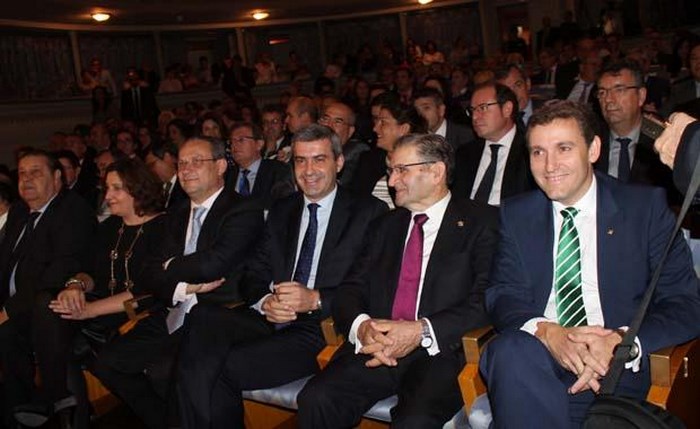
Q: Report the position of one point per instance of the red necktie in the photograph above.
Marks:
(405, 300)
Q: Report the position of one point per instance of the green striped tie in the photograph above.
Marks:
(567, 275)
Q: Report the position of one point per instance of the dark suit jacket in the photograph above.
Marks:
(458, 135)
(634, 225)
(565, 79)
(516, 177)
(686, 157)
(229, 233)
(149, 106)
(647, 168)
(276, 255)
(273, 181)
(177, 197)
(371, 168)
(454, 281)
(681, 93)
(59, 247)
(352, 150)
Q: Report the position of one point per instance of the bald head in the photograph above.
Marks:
(340, 118)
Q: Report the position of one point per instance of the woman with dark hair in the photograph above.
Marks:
(178, 131)
(211, 125)
(124, 242)
(147, 138)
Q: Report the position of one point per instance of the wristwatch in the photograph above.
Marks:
(426, 339)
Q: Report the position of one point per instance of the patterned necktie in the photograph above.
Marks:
(484, 191)
(567, 274)
(244, 184)
(623, 166)
(191, 245)
(308, 246)
(405, 300)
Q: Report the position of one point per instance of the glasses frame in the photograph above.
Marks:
(481, 108)
(615, 91)
(401, 169)
(195, 162)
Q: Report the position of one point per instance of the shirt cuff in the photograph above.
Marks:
(434, 348)
(258, 305)
(166, 263)
(180, 294)
(352, 335)
(635, 363)
(531, 325)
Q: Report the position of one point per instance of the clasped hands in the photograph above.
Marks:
(288, 299)
(388, 340)
(585, 351)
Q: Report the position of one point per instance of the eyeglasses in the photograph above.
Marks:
(194, 162)
(401, 169)
(271, 122)
(481, 108)
(615, 91)
(241, 139)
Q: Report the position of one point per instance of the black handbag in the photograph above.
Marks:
(609, 411)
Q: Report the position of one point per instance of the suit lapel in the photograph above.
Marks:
(340, 214)
(472, 165)
(293, 225)
(541, 250)
(393, 256)
(261, 179)
(610, 227)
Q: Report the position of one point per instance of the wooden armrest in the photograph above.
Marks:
(470, 382)
(333, 342)
(675, 380)
(131, 306)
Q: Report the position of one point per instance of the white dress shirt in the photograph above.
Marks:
(586, 225)
(614, 154)
(506, 142)
(435, 214)
(579, 87)
(442, 129)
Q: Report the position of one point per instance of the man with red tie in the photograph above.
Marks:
(412, 293)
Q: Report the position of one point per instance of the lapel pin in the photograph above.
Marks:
(611, 231)
(460, 223)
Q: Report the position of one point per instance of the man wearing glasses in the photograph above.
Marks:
(341, 118)
(495, 165)
(626, 153)
(412, 293)
(263, 179)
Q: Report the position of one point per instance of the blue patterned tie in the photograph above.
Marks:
(306, 255)
(191, 245)
(244, 184)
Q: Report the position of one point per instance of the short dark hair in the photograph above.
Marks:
(51, 160)
(316, 132)
(211, 116)
(306, 105)
(432, 93)
(502, 73)
(141, 184)
(431, 147)
(565, 109)
(616, 67)
(254, 129)
(406, 115)
(159, 149)
(273, 108)
(503, 95)
(70, 156)
(385, 98)
(217, 146)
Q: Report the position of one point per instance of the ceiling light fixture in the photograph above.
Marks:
(425, 1)
(260, 15)
(101, 16)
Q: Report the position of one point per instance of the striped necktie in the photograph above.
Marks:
(567, 274)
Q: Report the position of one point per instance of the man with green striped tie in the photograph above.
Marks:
(573, 261)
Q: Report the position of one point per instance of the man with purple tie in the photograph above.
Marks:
(414, 290)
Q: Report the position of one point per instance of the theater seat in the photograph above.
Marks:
(675, 382)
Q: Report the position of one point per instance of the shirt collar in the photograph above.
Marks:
(442, 129)
(507, 140)
(585, 205)
(437, 210)
(633, 136)
(324, 202)
(209, 201)
(43, 208)
(255, 166)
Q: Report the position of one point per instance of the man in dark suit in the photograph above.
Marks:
(341, 118)
(310, 242)
(47, 240)
(568, 72)
(548, 68)
(686, 90)
(515, 78)
(430, 105)
(404, 321)
(627, 154)
(263, 179)
(210, 239)
(494, 108)
(88, 178)
(161, 159)
(573, 260)
(138, 101)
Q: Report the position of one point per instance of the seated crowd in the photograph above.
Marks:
(239, 230)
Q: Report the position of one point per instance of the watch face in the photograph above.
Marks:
(426, 342)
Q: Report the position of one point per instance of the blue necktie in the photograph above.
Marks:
(483, 192)
(306, 255)
(191, 245)
(244, 184)
(623, 167)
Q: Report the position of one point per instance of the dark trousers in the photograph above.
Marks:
(244, 353)
(528, 388)
(426, 386)
(137, 367)
(42, 334)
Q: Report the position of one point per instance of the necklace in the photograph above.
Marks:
(114, 255)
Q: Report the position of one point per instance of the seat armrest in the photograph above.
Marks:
(132, 305)
(329, 333)
(474, 341)
(470, 383)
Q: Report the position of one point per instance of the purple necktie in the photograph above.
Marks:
(405, 300)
